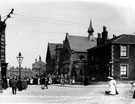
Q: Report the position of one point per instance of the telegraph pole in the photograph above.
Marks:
(3, 64)
(8, 16)
(2, 23)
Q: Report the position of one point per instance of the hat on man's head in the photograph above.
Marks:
(110, 77)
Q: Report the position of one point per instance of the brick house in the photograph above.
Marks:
(112, 57)
(38, 68)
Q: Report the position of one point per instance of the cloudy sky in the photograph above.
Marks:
(37, 22)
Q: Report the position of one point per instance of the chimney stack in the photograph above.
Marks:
(104, 35)
(35, 60)
(114, 36)
(99, 39)
(67, 34)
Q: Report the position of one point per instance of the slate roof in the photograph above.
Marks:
(38, 64)
(79, 43)
(52, 47)
(125, 39)
(122, 39)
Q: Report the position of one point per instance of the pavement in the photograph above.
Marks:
(69, 94)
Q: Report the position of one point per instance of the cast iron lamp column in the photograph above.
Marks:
(19, 59)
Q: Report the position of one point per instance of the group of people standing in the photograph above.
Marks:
(45, 81)
(111, 91)
(15, 84)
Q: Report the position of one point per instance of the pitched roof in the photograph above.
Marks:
(80, 43)
(52, 47)
(125, 39)
(38, 64)
(122, 39)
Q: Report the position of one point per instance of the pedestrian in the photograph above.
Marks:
(132, 85)
(50, 79)
(73, 81)
(43, 82)
(25, 83)
(31, 81)
(85, 81)
(70, 81)
(38, 80)
(62, 81)
(14, 84)
(134, 95)
(46, 82)
(112, 87)
(8, 82)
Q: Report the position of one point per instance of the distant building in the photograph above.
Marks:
(25, 72)
(38, 68)
(54, 58)
(112, 57)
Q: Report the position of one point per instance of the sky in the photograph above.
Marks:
(35, 23)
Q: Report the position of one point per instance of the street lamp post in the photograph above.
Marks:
(19, 59)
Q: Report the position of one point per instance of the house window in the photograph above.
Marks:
(123, 70)
(81, 57)
(123, 51)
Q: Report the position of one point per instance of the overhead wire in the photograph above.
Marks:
(44, 32)
(50, 22)
(46, 20)
(50, 19)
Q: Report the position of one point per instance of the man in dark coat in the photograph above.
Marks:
(46, 82)
(14, 85)
(85, 81)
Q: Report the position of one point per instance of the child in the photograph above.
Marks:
(132, 85)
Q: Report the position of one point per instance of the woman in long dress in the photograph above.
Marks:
(112, 86)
